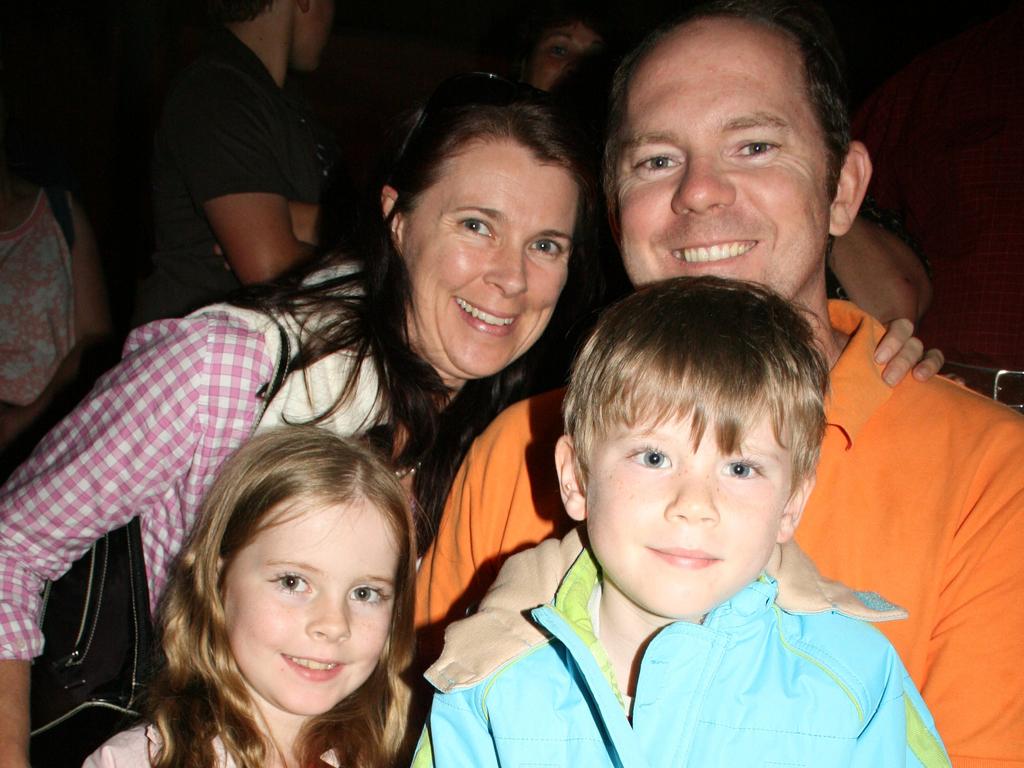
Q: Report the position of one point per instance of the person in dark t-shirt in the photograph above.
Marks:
(239, 162)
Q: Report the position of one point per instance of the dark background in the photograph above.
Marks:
(84, 80)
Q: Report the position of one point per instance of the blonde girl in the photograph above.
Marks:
(289, 618)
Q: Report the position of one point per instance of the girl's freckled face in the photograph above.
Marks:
(308, 606)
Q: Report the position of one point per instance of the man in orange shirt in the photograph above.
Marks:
(719, 163)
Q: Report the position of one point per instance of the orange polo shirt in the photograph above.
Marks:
(920, 497)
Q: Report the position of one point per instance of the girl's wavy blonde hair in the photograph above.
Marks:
(198, 694)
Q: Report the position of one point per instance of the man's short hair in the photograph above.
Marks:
(720, 352)
(803, 22)
(228, 11)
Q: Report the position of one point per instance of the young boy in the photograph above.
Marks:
(681, 626)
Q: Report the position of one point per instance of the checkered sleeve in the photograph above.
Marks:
(146, 441)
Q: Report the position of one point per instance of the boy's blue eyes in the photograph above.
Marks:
(653, 459)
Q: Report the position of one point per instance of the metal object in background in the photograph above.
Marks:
(1003, 386)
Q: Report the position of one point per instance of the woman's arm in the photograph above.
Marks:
(147, 441)
(92, 310)
(14, 676)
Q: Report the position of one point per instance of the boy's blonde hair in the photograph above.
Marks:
(199, 694)
(721, 352)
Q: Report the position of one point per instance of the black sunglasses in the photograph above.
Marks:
(483, 88)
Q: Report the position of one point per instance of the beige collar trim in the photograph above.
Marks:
(501, 632)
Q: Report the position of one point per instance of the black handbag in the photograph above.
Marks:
(99, 643)
(87, 684)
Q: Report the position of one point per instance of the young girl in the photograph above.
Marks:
(289, 618)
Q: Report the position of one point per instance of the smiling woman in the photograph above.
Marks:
(487, 249)
(488, 214)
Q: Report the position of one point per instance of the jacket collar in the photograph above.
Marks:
(499, 633)
(572, 602)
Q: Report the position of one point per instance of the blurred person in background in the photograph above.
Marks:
(554, 39)
(962, 101)
(239, 162)
(53, 300)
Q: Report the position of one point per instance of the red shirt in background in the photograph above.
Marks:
(946, 137)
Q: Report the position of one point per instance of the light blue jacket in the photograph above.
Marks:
(754, 685)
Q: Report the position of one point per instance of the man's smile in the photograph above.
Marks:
(715, 252)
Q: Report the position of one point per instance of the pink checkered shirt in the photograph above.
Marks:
(147, 441)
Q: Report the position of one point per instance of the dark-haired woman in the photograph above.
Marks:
(416, 338)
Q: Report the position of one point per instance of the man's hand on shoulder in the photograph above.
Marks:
(900, 351)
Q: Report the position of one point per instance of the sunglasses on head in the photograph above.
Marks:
(480, 88)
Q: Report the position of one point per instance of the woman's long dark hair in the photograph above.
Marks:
(368, 304)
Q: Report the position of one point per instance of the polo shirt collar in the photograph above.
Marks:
(857, 389)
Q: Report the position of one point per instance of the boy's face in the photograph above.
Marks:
(678, 531)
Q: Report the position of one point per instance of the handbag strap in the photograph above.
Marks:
(142, 622)
(282, 368)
